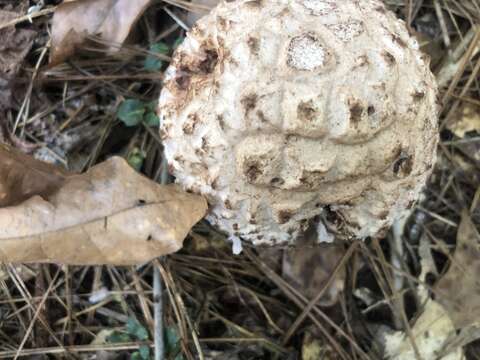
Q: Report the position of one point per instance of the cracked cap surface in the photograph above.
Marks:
(285, 113)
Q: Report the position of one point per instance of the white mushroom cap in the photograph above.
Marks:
(290, 113)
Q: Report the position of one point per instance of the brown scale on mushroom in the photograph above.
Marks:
(323, 111)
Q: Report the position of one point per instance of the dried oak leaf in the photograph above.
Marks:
(468, 120)
(309, 266)
(108, 215)
(21, 177)
(432, 329)
(74, 22)
(459, 289)
(431, 332)
(314, 348)
(14, 46)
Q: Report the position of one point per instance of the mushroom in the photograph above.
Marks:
(291, 114)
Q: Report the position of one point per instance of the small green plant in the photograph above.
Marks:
(134, 331)
(143, 353)
(172, 344)
(153, 62)
(133, 112)
(177, 42)
(136, 157)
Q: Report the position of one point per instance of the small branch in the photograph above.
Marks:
(158, 315)
(157, 286)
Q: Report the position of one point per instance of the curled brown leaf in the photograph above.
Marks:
(459, 289)
(109, 215)
(14, 46)
(21, 176)
(309, 267)
(74, 22)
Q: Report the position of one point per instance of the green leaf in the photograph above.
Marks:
(152, 62)
(151, 105)
(179, 357)
(151, 119)
(144, 351)
(142, 334)
(118, 337)
(160, 48)
(172, 343)
(131, 111)
(171, 337)
(135, 329)
(177, 42)
(136, 356)
(136, 158)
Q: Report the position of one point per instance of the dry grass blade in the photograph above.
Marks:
(27, 17)
(71, 349)
(32, 323)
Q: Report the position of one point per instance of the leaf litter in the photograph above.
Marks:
(431, 330)
(74, 22)
(468, 120)
(14, 46)
(22, 177)
(459, 288)
(223, 306)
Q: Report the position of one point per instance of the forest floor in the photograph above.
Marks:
(360, 302)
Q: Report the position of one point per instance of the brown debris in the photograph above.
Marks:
(459, 290)
(22, 176)
(74, 22)
(14, 46)
(309, 267)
